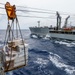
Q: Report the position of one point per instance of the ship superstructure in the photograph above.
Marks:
(39, 31)
(62, 33)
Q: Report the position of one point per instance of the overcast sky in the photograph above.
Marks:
(56, 5)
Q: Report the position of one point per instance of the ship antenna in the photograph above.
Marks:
(38, 23)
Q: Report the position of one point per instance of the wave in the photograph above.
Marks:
(9, 73)
(46, 38)
(39, 51)
(1, 45)
(42, 62)
(68, 44)
(34, 36)
(58, 62)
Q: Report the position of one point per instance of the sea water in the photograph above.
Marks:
(46, 57)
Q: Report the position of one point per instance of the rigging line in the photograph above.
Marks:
(22, 41)
(31, 11)
(39, 11)
(2, 8)
(31, 8)
(43, 9)
(31, 16)
(63, 13)
(35, 11)
(2, 14)
(36, 8)
(36, 17)
(2, 3)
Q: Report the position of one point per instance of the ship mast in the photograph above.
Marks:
(38, 23)
(66, 21)
(58, 21)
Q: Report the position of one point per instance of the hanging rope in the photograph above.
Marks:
(10, 30)
(22, 40)
(10, 10)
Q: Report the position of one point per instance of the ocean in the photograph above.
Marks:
(46, 57)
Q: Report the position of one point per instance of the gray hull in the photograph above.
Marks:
(62, 36)
(39, 31)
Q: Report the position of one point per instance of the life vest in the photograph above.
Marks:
(11, 11)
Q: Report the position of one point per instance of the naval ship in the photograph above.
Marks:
(65, 32)
(39, 31)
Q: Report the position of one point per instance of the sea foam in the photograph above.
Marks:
(58, 62)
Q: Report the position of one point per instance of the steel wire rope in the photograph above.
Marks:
(24, 10)
(39, 9)
(31, 11)
(34, 16)
(11, 47)
(22, 40)
(31, 16)
(45, 11)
